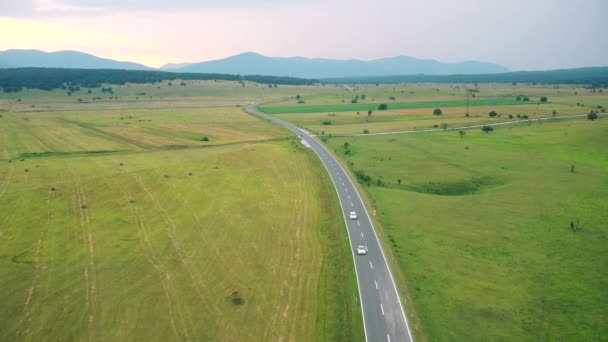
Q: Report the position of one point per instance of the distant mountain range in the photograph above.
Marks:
(62, 59)
(251, 63)
(254, 63)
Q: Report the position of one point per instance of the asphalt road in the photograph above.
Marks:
(383, 314)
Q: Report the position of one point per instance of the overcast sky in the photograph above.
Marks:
(519, 34)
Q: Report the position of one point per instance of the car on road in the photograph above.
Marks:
(353, 215)
(361, 250)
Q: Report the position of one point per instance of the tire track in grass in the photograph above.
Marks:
(171, 233)
(153, 258)
(90, 271)
(7, 180)
(39, 267)
(212, 242)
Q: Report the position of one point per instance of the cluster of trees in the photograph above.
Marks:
(15, 79)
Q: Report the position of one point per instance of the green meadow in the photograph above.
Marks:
(374, 106)
(498, 236)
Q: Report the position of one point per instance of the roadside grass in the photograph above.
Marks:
(498, 260)
(237, 242)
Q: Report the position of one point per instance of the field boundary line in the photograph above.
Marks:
(513, 122)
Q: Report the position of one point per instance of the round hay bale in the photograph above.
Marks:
(53, 188)
(166, 176)
(26, 170)
(83, 206)
(121, 164)
(190, 173)
(131, 200)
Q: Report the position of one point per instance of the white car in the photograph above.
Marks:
(361, 250)
(353, 215)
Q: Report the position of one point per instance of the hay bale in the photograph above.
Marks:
(53, 188)
(26, 170)
(131, 200)
(190, 173)
(83, 206)
(121, 164)
(166, 176)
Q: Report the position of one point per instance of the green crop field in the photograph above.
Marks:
(395, 105)
(499, 236)
(122, 223)
(411, 107)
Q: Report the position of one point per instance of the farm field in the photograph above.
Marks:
(121, 223)
(499, 236)
(411, 107)
(193, 94)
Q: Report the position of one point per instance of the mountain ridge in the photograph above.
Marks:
(252, 63)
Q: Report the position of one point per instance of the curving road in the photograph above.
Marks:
(383, 314)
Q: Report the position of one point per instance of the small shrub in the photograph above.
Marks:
(383, 106)
(493, 114)
(487, 129)
(437, 111)
(592, 116)
(543, 99)
(205, 139)
(327, 123)
(366, 131)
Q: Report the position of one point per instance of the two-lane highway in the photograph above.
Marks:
(383, 314)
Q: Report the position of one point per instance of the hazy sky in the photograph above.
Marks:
(520, 34)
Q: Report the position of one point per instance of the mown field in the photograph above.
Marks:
(500, 236)
(124, 224)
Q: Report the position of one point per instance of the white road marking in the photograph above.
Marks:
(382, 309)
(388, 338)
(370, 265)
(358, 223)
(361, 234)
(375, 282)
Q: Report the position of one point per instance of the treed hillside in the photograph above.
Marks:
(597, 76)
(14, 80)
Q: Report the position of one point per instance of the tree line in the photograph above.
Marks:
(594, 76)
(16, 79)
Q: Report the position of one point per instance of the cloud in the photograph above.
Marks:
(63, 8)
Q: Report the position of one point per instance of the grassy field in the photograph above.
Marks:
(194, 94)
(410, 107)
(394, 105)
(481, 227)
(122, 224)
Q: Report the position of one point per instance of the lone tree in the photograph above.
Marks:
(487, 129)
(369, 112)
(543, 99)
(444, 126)
(592, 116)
(346, 145)
(493, 114)
(383, 106)
(461, 133)
(437, 111)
